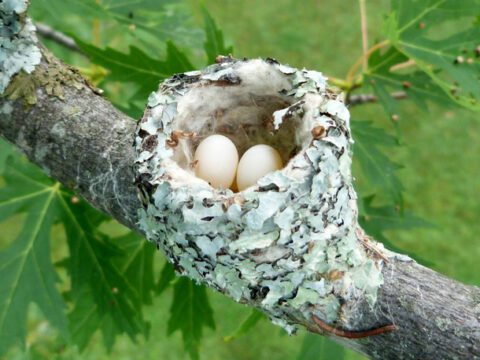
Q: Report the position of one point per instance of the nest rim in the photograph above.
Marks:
(217, 75)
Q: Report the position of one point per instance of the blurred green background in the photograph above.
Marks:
(439, 151)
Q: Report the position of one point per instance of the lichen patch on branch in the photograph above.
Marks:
(288, 245)
(50, 74)
(18, 42)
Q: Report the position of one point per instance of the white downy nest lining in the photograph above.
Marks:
(289, 245)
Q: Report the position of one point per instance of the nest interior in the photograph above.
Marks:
(241, 109)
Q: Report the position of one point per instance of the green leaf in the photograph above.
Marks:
(160, 20)
(165, 20)
(137, 264)
(105, 291)
(376, 220)
(434, 35)
(214, 45)
(136, 66)
(111, 278)
(86, 8)
(190, 313)
(26, 271)
(6, 151)
(247, 324)
(379, 170)
(318, 347)
(166, 278)
(376, 166)
(416, 85)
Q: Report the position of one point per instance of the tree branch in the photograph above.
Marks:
(82, 140)
(60, 38)
(85, 143)
(359, 99)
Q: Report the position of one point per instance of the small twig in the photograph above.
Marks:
(47, 32)
(354, 67)
(359, 99)
(363, 17)
(353, 334)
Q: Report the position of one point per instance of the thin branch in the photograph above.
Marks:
(359, 99)
(47, 32)
(363, 16)
(354, 67)
(353, 334)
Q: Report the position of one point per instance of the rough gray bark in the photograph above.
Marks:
(82, 141)
(437, 318)
(87, 144)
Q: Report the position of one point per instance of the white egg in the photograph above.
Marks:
(216, 160)
(257, 161)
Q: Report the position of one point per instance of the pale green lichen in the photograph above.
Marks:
(290, 245)
(6, 109)
(443, 324)
(20, 57)
(18, 42)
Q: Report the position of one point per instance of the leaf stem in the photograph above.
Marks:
(403, 65)
(363, 17)
(352, 71)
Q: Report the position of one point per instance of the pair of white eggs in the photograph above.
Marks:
(216, 161)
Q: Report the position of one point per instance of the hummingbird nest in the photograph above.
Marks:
(291, 245)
